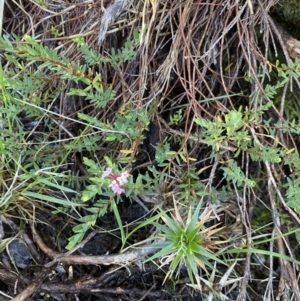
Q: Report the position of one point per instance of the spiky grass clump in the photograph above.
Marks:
(186, 242)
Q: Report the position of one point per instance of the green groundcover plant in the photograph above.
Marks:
(186, 242)
(33, 77)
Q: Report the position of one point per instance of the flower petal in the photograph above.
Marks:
(107, 172)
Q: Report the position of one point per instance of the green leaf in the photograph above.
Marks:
(264, 252)
(191, 263)
(108, 161)
(178, 258)
(50, 199)
(206, 254)
(165, 251)
(74, 240)
(57, 186)
(194, 220)
(87, 195)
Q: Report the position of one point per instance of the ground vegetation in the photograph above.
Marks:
(149, 150)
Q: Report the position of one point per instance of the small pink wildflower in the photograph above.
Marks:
(107, 172)
(123, 178)
(116, 188)
(116, 180)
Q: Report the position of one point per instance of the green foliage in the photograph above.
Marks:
(33, 76)
(233, 173)
(177, 116)
(230, 130)
(36, 75)
(293, 192)
(104, 199)
(251, 134)
(183, 242)
(127, 53)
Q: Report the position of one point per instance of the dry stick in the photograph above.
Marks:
(131, 291)
(246, 275)
(212, 175)
(8, 276)
(276, 231)
(149, 292)
(136, 256)
(92, 286)
(29, 290)
(269, 286)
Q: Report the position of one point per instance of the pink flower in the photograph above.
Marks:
(116, 188)
(116, 180)
(122, 178)
(107, 172)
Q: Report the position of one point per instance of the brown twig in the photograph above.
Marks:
(137, 256)
(32, 287)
